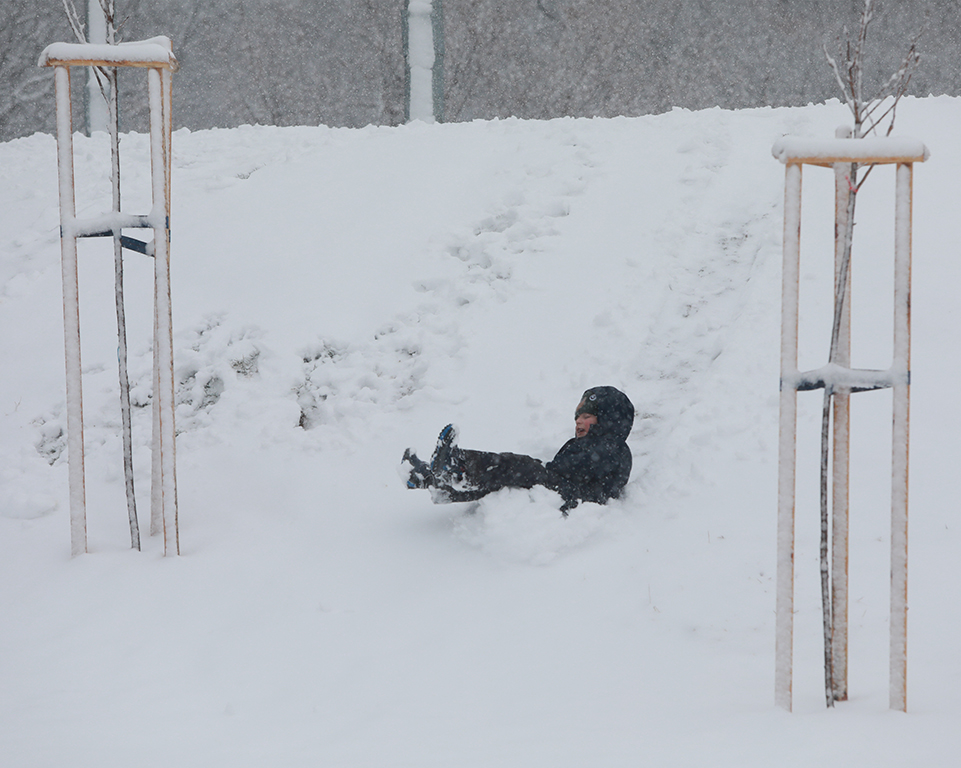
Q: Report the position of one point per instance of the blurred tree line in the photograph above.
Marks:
(340, 62)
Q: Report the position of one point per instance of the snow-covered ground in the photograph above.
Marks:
(340, 295)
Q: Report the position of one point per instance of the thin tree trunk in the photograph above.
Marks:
(121, 321)
(827, 617)
(840, 293)
(113, 103)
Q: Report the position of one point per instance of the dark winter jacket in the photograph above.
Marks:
(596, 467)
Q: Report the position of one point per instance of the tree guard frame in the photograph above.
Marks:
(838, 153)
(156, 56)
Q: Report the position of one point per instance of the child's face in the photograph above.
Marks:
(583, 424)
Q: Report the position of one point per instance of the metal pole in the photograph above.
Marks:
(787, 443)
(422, 39)
(97, 110)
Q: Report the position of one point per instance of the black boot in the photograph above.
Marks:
(445, 464)
(420, 475)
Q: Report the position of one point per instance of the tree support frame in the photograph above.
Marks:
(156, 56)
(844, 380)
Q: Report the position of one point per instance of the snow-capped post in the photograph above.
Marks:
(423, 41)
(787, 439)
(838, 376)
(157, 57)
(71, 316)
(899, 450)
(164, 503)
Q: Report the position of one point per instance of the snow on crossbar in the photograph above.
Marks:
(153, 53)
(839, 377)
(873, 150)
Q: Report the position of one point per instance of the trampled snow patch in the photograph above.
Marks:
(20, 500)
(522, 526)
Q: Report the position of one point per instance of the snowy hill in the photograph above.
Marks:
(340, 295)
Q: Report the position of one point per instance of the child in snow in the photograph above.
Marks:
(594, 465)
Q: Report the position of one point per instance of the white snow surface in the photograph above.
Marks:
(340, 295)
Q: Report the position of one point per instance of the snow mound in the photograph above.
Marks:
(522, 526)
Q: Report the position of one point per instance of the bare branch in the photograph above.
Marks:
(895, 88)
(870, 113)
(832, 62)
(74, 18)
(79, 29)
(110, 15)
